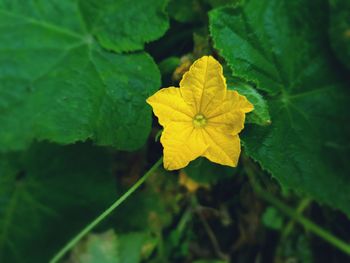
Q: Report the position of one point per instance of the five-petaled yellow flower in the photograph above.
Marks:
(201, 118)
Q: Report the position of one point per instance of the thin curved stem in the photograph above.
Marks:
(305, 222)
(299, 210)
(102, 216)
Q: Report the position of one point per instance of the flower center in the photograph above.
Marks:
(199, 121)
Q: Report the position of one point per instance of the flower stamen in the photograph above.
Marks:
(199, 121)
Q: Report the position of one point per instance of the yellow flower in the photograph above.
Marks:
(201, 118)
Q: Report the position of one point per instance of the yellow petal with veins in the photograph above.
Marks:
(231, 122)
(230, 115)
(223, 148)
(238, 102)
(182, 143)
(168, 105)
(204, 85)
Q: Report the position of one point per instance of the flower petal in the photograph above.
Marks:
(231, 122)
(223, 148)
(168, 106)
(230, 115)
(239, 101)
(204, 85)
(182, 143)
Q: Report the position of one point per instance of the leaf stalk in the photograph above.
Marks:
(60, 254)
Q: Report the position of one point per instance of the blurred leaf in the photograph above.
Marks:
(121, 26)
(209, 261)
(185, 10)
(58, 84)
(339, 29)
(109, 248)
(277, 45)
(48, 194)
(142, 209)
(203, 171)
(296, 248)
(272, 218)
(97, 248)
(201, 43)
(151, 208)
(168, 65)
(131, 245)
(218, 3)
(179, 239)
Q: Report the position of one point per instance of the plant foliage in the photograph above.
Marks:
(76, 131)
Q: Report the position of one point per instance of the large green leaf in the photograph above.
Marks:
(47, 195)
(121, 26)
(56, 83)
(278, 45)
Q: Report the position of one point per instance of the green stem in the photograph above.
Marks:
(306, 223)
(102, 216)
(300, 209)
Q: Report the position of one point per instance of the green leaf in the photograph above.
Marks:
(185, 11)
(339, 29)
(168, 65)
(108, 247)
(97, 248)
(272, 218)
(131, 245)
(121, 26)
(47, 195)
(152, 208)
(209, 261)
(218, 3)
(203, 171)
(278, 46)
(58, 84)
(298, 246)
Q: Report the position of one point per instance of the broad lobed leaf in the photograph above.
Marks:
(122, 26)
(58, 84)
(47, 195)
(278, 46)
